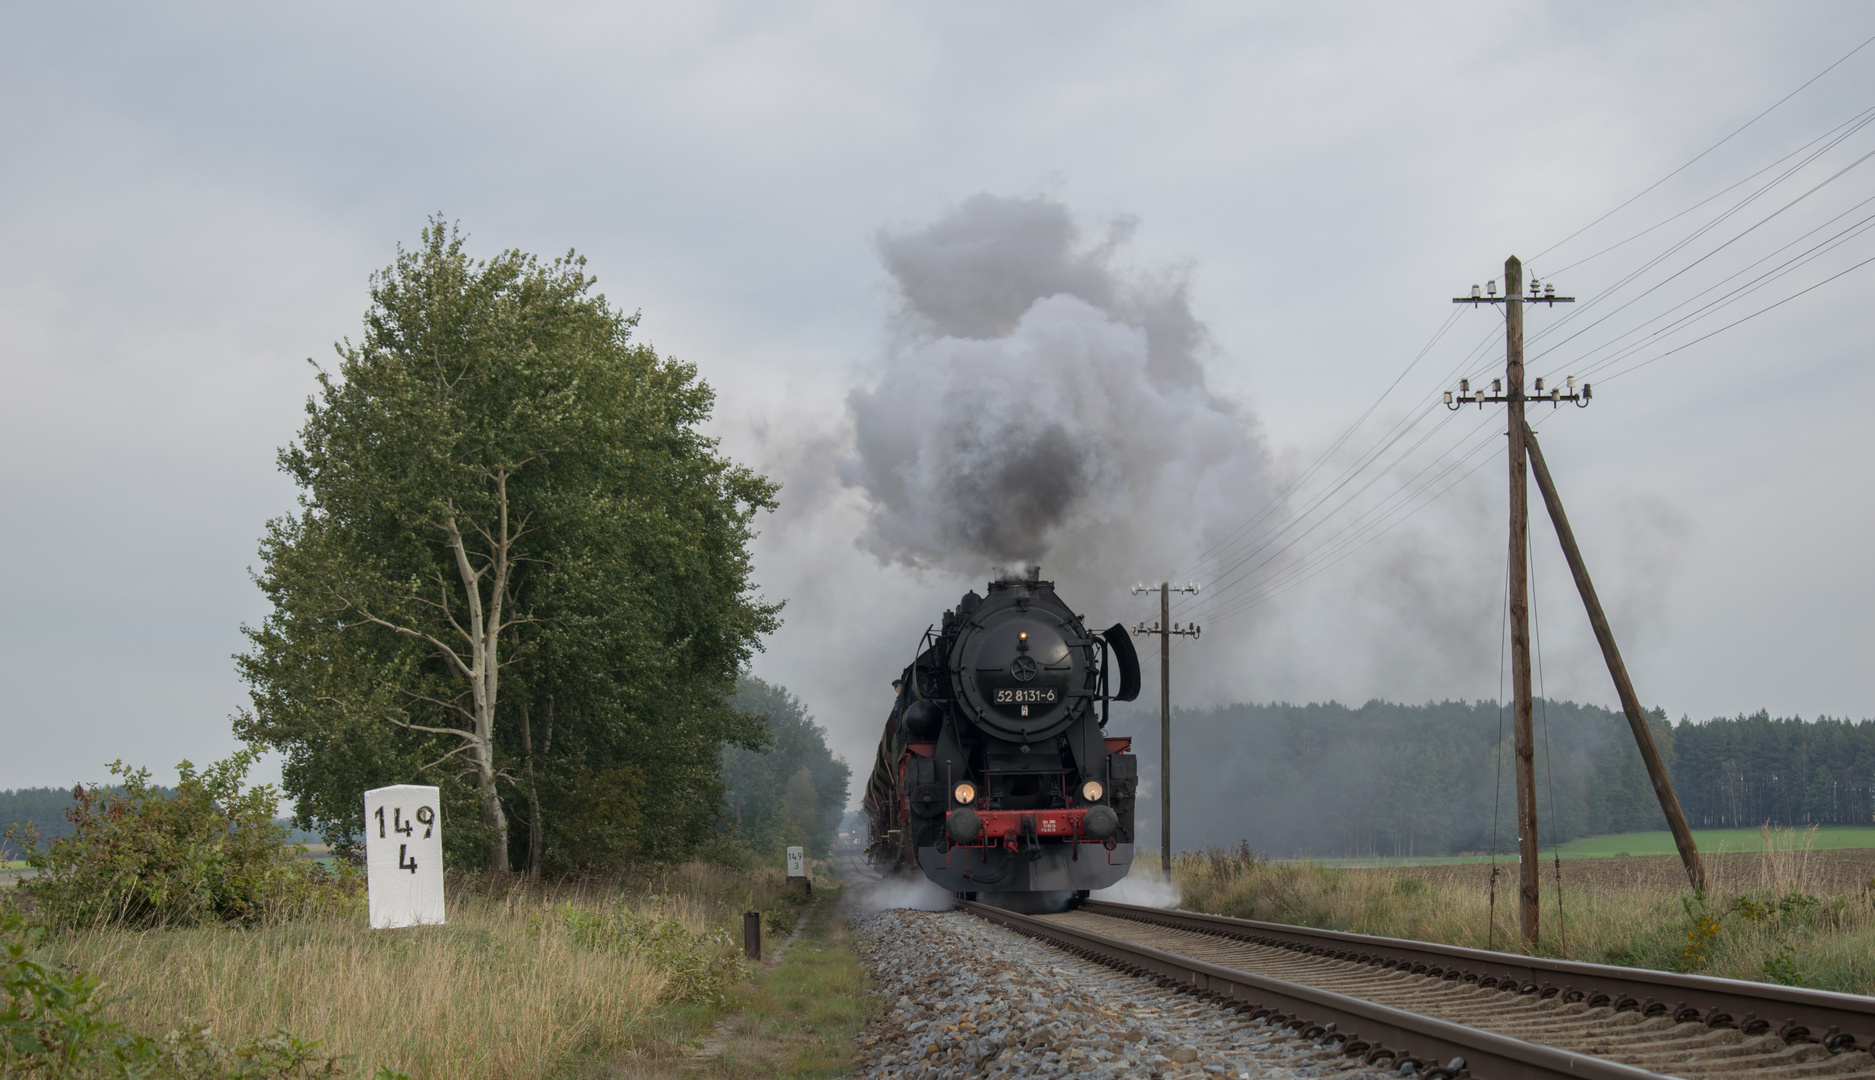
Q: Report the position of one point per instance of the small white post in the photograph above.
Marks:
(404, 856)
(797, 862)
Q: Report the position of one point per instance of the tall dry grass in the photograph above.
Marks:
(504, 990)
(1764, 918)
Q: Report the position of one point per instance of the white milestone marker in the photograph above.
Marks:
(797, 862)
(403, 856)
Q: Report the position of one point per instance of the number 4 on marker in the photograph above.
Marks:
(404, 862)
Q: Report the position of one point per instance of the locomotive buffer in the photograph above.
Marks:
(1166, 628)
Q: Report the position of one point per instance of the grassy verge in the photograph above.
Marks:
(798, 1018)
(524, 981)
(1769, 916)
(1714, 841)
(1640, 844)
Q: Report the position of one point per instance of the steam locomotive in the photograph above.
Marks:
(995, 776)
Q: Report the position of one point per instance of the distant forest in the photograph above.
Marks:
(44, 807)
(1381, 779)
(1386, 779)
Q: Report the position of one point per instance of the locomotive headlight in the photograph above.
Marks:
(965, 793)
(1092, 791)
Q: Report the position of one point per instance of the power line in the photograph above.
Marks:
(1283, 495)
(1697, 157)
(1400, 429)
(1746, 319)
(1781, 270)
(1243, 560)
(1734, 184)
(1681, 244)
(1371, 530)
(1728, 243)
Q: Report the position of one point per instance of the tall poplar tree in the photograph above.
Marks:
(518, 571)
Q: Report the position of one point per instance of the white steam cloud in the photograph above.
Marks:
(901, 891)
(1143, 887)
(1047, 407)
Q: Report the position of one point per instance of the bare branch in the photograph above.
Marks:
(471, 736)
(449, 706)
(446, 757)
(448, 653)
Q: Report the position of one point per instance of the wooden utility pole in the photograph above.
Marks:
(1523, 446)
(1166, 632)
(1510, 393)
(1165, 729)
(1528, 869)
(1630, 701)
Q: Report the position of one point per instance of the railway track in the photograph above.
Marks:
(1451, 1010)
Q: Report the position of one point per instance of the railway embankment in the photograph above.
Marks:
(963, 998)
(1791, 916)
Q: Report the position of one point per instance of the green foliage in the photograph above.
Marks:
(1700, 934)
(520, 573)
(1770, 921)
(52, 1024)
(1754, 910)
(1781, 967)
(141, 857)
(701, 966)
(793, 792)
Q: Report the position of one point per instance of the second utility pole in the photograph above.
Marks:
(1166, 632)
(1165, 728)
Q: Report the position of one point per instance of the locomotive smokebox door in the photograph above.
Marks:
(1024, 666)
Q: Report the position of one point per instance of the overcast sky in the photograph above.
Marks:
(193, 196)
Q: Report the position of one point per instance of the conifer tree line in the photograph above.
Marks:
(520, 572)
(1387, 779)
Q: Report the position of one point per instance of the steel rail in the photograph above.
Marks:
(1797, 1014)
(1363, 1029)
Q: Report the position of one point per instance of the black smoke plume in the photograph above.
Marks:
(1044, 405)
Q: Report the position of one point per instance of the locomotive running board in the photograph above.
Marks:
(1364, 1025)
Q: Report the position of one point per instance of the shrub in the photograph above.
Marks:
(139, 857)
(700, 966)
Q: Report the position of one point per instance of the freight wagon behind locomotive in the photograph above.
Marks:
(995, 776)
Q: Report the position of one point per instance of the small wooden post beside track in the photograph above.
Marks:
(752, 934)
(1624, 686)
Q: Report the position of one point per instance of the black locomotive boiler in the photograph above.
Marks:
(995, 775)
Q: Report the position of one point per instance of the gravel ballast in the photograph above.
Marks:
(963, 998)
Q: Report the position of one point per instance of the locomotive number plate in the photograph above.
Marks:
(1024, 697)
